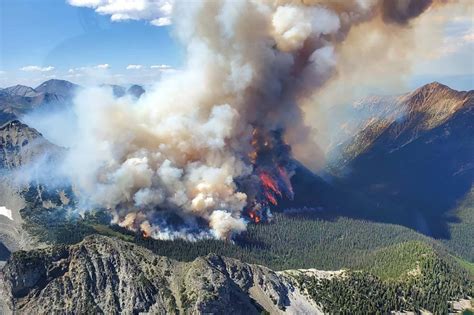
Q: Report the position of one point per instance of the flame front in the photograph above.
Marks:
(272, 165)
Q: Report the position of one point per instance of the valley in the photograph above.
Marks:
(329, 225)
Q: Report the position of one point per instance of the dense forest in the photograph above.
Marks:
(391, 267)
(287, 242)
(430, 285)
(462, 230)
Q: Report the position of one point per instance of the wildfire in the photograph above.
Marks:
(271, 198)
(269, 183)
(270, 158)
(254, 216)
(136, 221)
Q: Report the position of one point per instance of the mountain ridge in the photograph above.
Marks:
(104, 275)
(107, 275)
(20, 90)
(415, 164)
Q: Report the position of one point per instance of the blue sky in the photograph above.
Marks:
(43, 39)
(52, 33)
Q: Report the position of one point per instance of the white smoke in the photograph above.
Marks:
(182, 146)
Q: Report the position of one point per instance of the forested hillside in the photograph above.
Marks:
(295, 241)
(405, 277)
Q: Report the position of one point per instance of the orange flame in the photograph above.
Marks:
(269, 156)
(269, 183)
(271, 198)
(254, 216)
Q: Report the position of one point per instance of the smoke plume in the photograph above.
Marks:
(209, 147)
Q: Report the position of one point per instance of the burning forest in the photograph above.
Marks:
(210, 146)
(272, 170)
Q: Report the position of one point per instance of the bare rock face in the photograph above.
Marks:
(20, 144)
(104, 275)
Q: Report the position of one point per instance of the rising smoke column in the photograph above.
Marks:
(188, 148)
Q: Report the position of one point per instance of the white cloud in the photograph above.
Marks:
(103, 66)
(134, 67)
(160, 67)
(37, 69)
(164, 69)
(162, 21)
(158, 12)
(76, 70)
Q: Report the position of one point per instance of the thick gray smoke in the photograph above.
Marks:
(182, 147)
(401, 11)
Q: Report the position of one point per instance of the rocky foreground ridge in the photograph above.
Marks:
(105, 275)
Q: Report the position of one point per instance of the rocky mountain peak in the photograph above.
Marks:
(59, 87)
(21, 90)
(437, 101)
(136, 90)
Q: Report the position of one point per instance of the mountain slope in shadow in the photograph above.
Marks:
(413, 170)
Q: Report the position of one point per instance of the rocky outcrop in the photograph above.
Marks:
(20, 144)
(104, 275)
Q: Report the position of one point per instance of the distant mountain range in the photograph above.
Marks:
(18, 100)
(119, 91)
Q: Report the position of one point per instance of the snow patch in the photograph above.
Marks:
(6, 212)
